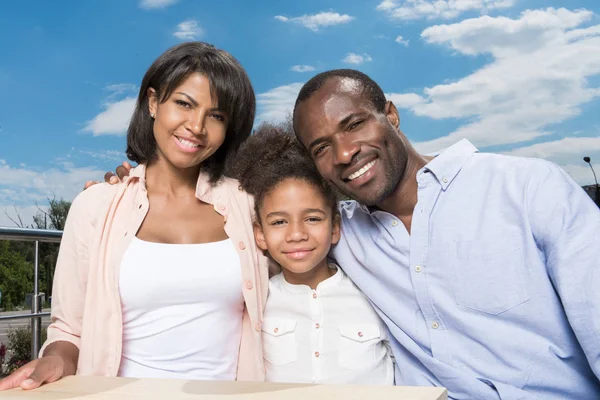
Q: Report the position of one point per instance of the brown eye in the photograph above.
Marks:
(355, 125)
(183, 104)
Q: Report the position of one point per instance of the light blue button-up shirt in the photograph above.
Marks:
(495, 294)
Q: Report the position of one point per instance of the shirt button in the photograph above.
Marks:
(314, 295)
(249, 285)
(418, 268)
(435, 325)
(394, 223)
(241, 245)
(360, 334)
(140, 206)
(317, 354)
(445, 180)
(275, 330)
(257, 326)
(317, 325)
(126, 233)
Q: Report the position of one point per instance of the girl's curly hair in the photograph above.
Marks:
(271, 155)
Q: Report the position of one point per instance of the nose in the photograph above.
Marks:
(344, 150)
(296, 232)
(195, 123)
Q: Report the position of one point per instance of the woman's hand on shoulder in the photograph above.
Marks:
(121, 172)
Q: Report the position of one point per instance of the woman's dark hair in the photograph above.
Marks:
(271, 155)
(229, 84)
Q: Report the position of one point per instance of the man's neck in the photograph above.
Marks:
(403, 200)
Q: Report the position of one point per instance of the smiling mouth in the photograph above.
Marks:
(187, 143)
(298, 255)
(361, 171)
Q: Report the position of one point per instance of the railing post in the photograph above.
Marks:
(36, 322)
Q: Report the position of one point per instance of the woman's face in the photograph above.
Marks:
(188, 127)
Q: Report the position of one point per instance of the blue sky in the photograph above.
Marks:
(519, 77)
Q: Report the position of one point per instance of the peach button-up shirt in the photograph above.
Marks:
(86, 306)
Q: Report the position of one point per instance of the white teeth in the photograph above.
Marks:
(187, 143)
(361, 171)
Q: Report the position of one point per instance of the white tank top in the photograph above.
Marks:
(182, 310)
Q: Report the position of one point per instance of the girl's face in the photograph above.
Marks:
(188, 127)
(296, 227)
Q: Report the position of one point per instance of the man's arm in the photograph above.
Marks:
(566, 225)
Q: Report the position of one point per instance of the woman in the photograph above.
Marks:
(159, 276)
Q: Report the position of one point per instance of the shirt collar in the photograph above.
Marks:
(204, 188)
(445, 166)
(333, 280)
(447, 163)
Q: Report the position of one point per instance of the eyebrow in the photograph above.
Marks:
(306, 211)
(341, 125)
(195, 103)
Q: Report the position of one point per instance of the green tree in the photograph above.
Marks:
(52, 218)
(16, 276)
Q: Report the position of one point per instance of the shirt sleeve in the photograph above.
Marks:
(566, 226)
(70, 276)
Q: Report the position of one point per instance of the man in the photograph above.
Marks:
(484, 267)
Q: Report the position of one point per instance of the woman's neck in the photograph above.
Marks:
(163, 177)
(310, 278)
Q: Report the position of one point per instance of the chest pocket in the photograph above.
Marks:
(491, 276)
(359, 346)
(279, 340)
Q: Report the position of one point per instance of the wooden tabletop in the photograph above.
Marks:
(96, 388)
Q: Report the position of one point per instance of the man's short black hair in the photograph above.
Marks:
(370, 89)
(229, 84)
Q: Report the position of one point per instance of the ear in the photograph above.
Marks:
(391, 112)
(336, 229)
(259, 236)
(152, 101)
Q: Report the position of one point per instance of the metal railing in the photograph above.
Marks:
(37, 236)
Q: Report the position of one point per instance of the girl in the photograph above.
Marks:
(318, 327)
(159, 276)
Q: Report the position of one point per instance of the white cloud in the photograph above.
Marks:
(537, 77)
(402, 41)
(276, 104)
(357, 59)
(149, 4)
(581, 172)
(114, 120)
(407, 100)
(571, 147)
(567, 152)
(188, 30)
(302, 68)
(24, 188)
(316, 21)
(444, 9)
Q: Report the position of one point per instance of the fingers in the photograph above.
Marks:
(122, 171)
(14, 380)
(49, 369)
(108, 176)
(89, 184)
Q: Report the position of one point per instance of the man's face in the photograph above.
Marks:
(356, 148)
